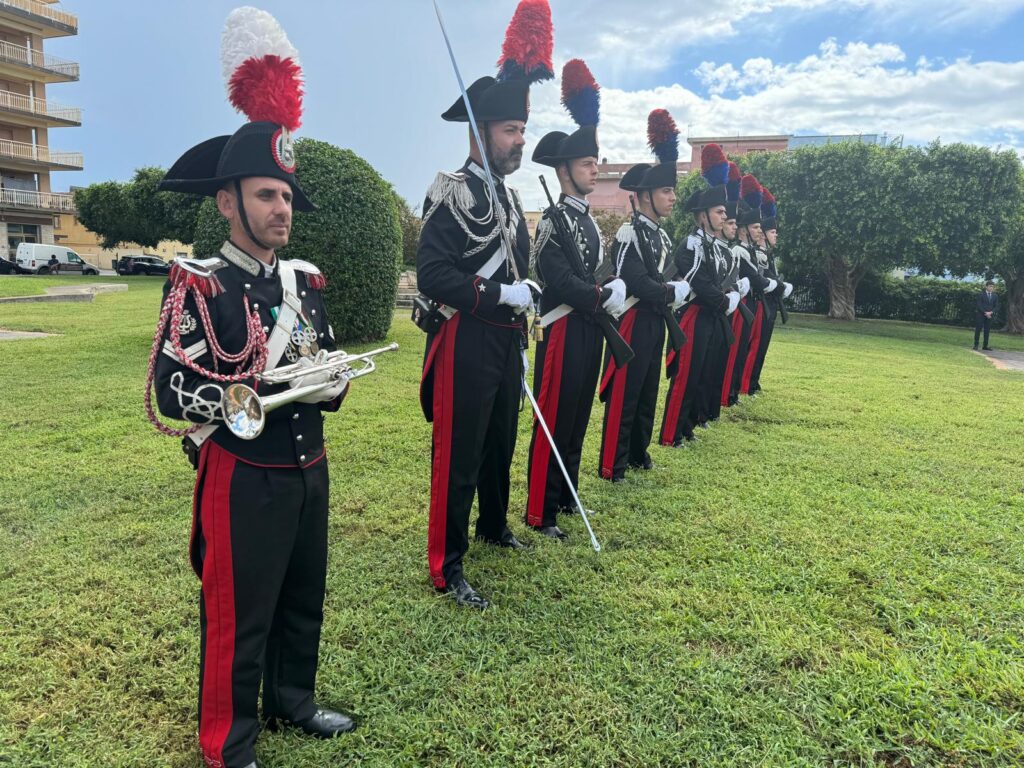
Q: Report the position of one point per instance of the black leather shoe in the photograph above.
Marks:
(252, 765)
(552, 532)
(987, 349)
(324, 724)
(463, 594)
(975, 347)
(645, 464)
(507, 540)
(618, 478)
(679, 444)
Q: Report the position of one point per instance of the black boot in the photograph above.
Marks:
(507, 540)
(463, 594)
(323, 723)
(552, 532)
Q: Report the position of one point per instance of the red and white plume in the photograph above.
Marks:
(261, 68)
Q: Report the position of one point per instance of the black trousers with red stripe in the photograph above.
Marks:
(687, 375)
(738, 356)
(630, 394)
(725, 390)
(771, 308)
(259, 545)
(475, 372)
(713, 374)
(747, 356)
(565, 373)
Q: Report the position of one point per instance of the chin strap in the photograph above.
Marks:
(245, 217)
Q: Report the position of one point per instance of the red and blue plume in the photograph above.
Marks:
(581, 94)
(769, 209)
(732, 186)
(751, 191)
(663, 136)
(714, 166)
(529, 43)
(261, 68)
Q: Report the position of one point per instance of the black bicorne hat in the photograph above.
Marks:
(712, 197)
(557, 147)
(772, 223)
(255, 149)
(264, 83)
(525, 59)
(749, 216)
(493, 100)
(692, 204)
(632, 179)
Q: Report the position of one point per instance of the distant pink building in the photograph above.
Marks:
(608, 197)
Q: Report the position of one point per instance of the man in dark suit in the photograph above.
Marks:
(986, 307)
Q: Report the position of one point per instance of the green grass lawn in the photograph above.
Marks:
(36, 285)
(832, 576)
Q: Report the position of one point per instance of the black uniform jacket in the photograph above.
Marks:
(561, 283)
(293, 435)
(697, 259)
(460, 235)
(644, 280)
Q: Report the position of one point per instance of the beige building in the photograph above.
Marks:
(70, 232)
(28, 206)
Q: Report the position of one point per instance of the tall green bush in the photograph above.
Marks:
(354, 237)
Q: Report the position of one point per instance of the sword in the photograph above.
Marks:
(554, 451)
(483, 149)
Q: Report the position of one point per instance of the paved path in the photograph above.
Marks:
(6, 335)
(70, 292)
(1004, 360)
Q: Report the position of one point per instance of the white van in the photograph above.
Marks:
(35, 258)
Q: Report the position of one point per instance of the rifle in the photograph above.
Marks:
(676, 337)
(617, 345)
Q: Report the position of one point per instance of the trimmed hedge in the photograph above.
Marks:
(354, 236)
(917, 299)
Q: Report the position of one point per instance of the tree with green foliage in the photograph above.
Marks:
(411, 225)
(354, 236)
(608, 223)
(972, 218)
(135, 212)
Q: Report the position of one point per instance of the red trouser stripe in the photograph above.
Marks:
(737, 330)
(618, 377)
(755, 342)
(547, 399)
(219, 602)
(443, 359)
(677, 388)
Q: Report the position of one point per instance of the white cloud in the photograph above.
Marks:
(856, 88)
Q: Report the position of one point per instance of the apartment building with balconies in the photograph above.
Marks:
(28, 206)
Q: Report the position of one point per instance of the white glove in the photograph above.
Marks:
(320, 377)
(615, 302)
(326, 394)
(517, 296)
(789, 290)
(734, 301)
(772, 285)
(743, 284)
(682, 290)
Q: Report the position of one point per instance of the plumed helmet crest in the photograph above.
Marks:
(261, 68)
(529, 43)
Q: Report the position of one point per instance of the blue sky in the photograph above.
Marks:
(378, 76)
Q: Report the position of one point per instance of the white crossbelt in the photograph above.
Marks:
(291, 305)
(555, 315)
(486, 271)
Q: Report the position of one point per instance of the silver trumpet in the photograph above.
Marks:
(245, 412)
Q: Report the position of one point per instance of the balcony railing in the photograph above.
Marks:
(19, 102)
(58, 202)
(20, 150)
(42, 10)
(19, 54)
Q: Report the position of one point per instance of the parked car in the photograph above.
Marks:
(35, 258)
(142, 265)
(8, 267)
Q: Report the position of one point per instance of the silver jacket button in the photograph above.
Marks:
(248, 286)
(295, 417)
(298, 438)
(302, 457)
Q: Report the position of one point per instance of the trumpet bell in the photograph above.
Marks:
(244, 413)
